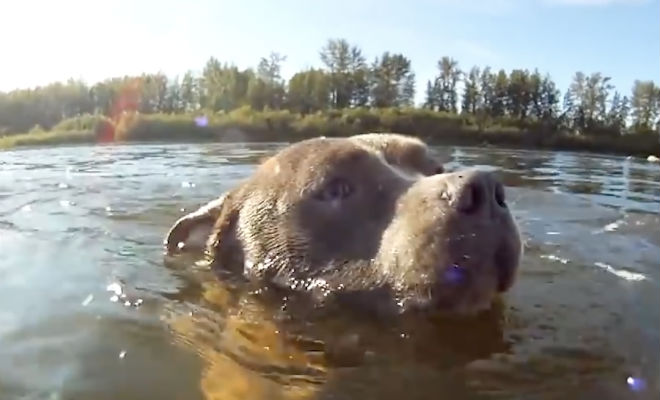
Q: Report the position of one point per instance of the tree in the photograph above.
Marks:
(487, 83)
(348, 73)
(189, 92)
(266, 88)
(518, 94)
(549, 99)
(618, 113)
(223, 87)
(500, 94)
(309, 91)
(173, 103)
(392, 81)
(472, 96)
(441, 95)
(645, 102)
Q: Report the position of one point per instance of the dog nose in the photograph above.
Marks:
(477, 191)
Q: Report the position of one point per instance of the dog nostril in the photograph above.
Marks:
(471, 198)
(499, 195)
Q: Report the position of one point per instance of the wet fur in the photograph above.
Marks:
(386, 247)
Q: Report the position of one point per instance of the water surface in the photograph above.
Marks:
(90, 310)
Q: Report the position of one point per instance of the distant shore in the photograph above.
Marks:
(247, 125)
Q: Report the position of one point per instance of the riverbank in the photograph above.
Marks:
(245, 124)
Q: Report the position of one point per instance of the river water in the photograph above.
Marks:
(90, 309)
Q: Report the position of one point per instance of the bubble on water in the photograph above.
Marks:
(26, 208)
(127, 303)
(636, 384)
(138, 302)
(65, 203)
(122, 354)
(114, 287)
(62, 185)
(201, 121)
(114, 298)
(87, 300)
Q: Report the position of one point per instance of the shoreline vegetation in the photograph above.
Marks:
(518, 108)
(247, 125)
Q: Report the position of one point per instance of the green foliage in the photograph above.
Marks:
(309, 91)
(392, 82)
(517, 107)
(645, 102)
(441, 94)
(348, 73)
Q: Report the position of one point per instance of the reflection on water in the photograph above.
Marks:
(91, 310)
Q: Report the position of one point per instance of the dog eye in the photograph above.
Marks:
(335, 190)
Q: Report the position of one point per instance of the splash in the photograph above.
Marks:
(553, 257)
(621, 273)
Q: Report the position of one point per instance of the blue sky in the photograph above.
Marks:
(44, 41)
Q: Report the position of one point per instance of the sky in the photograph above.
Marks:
(46, 41)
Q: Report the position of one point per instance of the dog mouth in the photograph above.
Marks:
(459, 288)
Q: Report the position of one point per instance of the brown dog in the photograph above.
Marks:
(365, 217)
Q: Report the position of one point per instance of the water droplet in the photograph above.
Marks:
(115, 288)
(87, 300)
(636, 384)
(180, 245)
(455, 274)
(122, 354)
(201, 121)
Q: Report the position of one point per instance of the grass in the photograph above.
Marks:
(245, 124)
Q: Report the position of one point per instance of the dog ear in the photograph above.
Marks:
(193, 230)
(224, 246)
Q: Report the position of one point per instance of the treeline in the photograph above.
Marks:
(520, 98)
